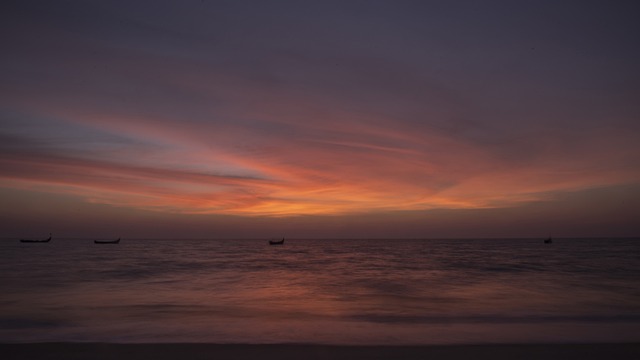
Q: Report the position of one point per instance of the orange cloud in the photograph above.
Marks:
(346, 168)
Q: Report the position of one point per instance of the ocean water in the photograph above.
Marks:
(321, 291)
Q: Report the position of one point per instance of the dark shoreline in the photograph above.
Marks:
(160, 351)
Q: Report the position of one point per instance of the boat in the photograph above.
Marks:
(276, 242)
(106, 241)
(548, 241)
(36, 241)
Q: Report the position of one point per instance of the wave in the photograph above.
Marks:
(494, 319)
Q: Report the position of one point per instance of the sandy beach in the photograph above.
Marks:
(287, 351)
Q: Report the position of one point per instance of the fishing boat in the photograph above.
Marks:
(36, 241)
(106, 241)
(276, 242)
(548, 240)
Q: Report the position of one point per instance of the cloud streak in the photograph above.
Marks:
(330, 171)
(278, 113)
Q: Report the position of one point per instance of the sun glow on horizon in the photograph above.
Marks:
(306, 176)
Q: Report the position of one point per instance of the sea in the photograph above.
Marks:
(323, 291)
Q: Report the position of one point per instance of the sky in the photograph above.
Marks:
(319, 119)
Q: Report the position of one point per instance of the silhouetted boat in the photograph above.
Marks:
(548, 241)
(106, 241)
(36, 241)
(276, 242)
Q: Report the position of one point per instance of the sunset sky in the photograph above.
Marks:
(341, 119)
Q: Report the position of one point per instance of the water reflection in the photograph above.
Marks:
(319, 291)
